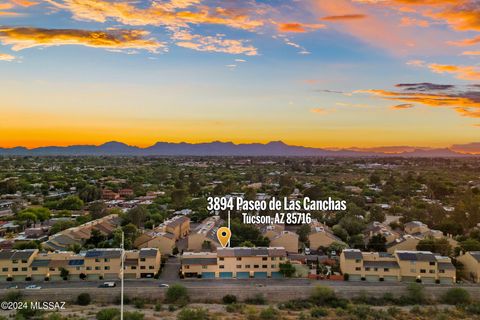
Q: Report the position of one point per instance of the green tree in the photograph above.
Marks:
(377, 243)
(176, 293)
(287, 269)
(303, 232)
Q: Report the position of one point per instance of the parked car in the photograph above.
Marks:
(13, 286)
(164, 285)
(108, 285)
(33, 287)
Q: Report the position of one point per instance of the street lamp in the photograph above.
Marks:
(121, 274)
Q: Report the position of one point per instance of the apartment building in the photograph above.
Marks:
(25, 265)
(471, 265)
(80, 234)
(164, 241)
(287, 240)
(204, 236)
(179, 226)
(238, 262)
(409, 266)
(321, 237)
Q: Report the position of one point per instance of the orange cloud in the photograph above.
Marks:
(407, 22)
(319, 110)
(6, 57)
(464, 15)
(298, 27)
(467, 104)
(24, 3)
(212, 43)
(471, 53)
(465, 42)
(344, 17)
(23, 38)
(462, 72)
(158, 13)
(402, 106)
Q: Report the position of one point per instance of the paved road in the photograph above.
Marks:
(205, 283)
(170, 270)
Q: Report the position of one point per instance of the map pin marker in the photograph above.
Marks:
(223, 235)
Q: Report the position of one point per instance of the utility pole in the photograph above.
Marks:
(121, 275)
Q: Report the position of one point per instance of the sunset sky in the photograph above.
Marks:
(324, 73)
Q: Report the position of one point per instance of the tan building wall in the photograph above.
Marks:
(163, 243)
(471, 265)
(286, 239)
(196, 240)
(409, 244)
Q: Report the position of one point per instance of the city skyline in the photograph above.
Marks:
(324, 74)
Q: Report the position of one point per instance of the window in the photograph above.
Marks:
(432, 263)
(14, 261)
(89, 268)
(142, 259)
(142, 267)
(273, 258)
(247, 266)
(222, 266)
(4, 269)
(97, 260)
(221, 258)
(239, 266)
(24, 261)
(135, 267)
(51, 269)
(24, 269)
(264, 266)
(14, 269)
(151, 267)
(264, 258)
(282, 258)
(106, 260)
(273, 265)
(441, 271)
(97, 268)
(358, 268)
(358, 260)
(204, 267)
(386, 269)
(256, 266)
(107, 268)
(367, 268)
(78, 268)
(431, 271)
(238, 258)
(423, 271)
(186, 266)
(375, 269)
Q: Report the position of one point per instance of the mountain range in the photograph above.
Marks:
(216, 148)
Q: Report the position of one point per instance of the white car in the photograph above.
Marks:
(33, 287)
(164, 285)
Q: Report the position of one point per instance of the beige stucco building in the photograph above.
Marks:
(204, 236)
(239, 262)
(410, 266)
(471, 265)
(24, 265)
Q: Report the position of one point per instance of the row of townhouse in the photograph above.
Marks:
(165, 236)
(237, 262)
(409, 266)
(80, 234)
(30, 264)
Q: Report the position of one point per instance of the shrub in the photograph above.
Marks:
(415, 295)
(13, 296)
(177, 294)
(229, 299)
(108, 314)
(318, 312)
(193, 314)
(269, 313)
(133, 315)
(473, 308)
(297, 304)
(256, 299)
(456, 296)
(235, 308)
(324, 296)
(83, 299)
(158, 306)
(139, 303)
